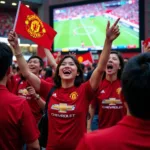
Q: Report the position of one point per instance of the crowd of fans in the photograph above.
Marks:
(128, 12)
(68, 93)
(114, 90)
(7, 19)
(6, 23)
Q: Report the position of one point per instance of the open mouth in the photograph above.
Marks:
(109, 66)
(31, 68)
(67, 72)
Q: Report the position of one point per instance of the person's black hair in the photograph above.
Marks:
(94, 65)
(136, 85)
(89, 68)
(78, 79)
(49, 72)
(121, 64)
(82, 66)
(13, 66)
(18, 69)
(39, 58)
(5, 59)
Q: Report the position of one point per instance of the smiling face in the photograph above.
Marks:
(34, 65)
(113, 65)
(68, 69)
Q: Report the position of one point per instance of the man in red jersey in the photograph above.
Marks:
(22, 88)
(133, 131)
(17, 125)
(13, 79)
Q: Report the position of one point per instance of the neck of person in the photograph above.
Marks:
(67, 83)
(112, 77)
(3, 81)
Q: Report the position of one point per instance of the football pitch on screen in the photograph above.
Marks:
(91, 32)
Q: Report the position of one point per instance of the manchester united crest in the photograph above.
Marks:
(34, 26)
(74, 95)
(118, 91)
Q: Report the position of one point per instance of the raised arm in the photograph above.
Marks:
(111, 34)
(32, 78)
(50, 58)
(58, 58)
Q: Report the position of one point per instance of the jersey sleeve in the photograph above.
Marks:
(45, 88)
(90, 93)
(29, 130)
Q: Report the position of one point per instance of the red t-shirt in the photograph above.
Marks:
(12, 81)
(67, 111)
(50, 80)
(17, 125)
(129, 134)
(21, 91)
(111, 107)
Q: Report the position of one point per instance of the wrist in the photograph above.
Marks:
(19, 54)
(37, 96)
(108, 40)
(16, 47)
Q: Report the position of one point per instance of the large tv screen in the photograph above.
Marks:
(82, 26)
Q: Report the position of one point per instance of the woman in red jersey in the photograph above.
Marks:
(68, 104)
(111, 107)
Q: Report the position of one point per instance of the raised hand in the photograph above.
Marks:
(146, 48)
(112, 32)
(13, 39)
(31, 90)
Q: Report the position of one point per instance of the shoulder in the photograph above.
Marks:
(12, 98)
(14, 104)
(102, 137)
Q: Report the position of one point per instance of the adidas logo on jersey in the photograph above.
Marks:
(102, 91)
(54, 95)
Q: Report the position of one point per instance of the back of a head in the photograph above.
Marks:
(49, 72)
(5, 59)
(136, 85)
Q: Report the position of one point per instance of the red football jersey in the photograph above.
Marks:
(129, 134)
(111, 107)
(17, 125)
(50, 80)
(67, 111)
(12, 81)
(23, 92)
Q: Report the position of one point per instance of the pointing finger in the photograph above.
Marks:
(116, 22)
(108, 25)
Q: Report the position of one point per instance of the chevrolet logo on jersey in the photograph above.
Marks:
(112, 101)
(63, 107)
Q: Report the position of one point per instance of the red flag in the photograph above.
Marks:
(29, 25)
(84, 57)
(40, 51)
(146, 42)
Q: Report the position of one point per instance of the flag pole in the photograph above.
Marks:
(18, 9)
